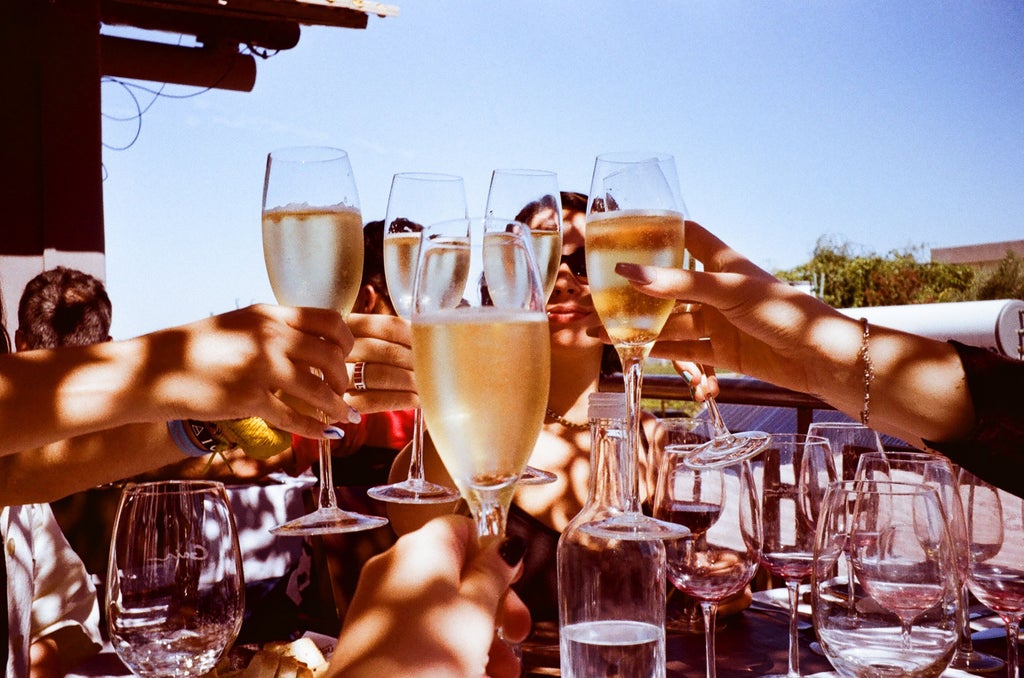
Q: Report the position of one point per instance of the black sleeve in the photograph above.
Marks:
(994, 450)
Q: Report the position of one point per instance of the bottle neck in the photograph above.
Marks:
(609, 462)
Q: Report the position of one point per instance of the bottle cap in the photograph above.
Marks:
(607, 406)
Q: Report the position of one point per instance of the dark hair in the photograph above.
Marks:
(373, 259)
(64, 307)
(532, 209)
(571, 200)
(5, 339)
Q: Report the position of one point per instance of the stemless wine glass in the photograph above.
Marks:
(938, 472)
(635, 214)
(416, 198)
(995, 538)
(720, 509)
(848, 440)
(531, 197)
(482, 357)
(791, 475)
(313, 248)
(899, 618)
(174, 589)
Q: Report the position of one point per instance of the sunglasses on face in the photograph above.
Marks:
(577, 262)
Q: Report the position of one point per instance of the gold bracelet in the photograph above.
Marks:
(869, 372)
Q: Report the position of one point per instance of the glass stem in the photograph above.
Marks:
(717, 423)
(1012, 629)
(632, 358)
(793, 587)
(416, 454)
(710, 610)
(327, 498)
(964, 644)
(489, 513)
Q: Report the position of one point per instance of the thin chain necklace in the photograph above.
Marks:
(565, 422)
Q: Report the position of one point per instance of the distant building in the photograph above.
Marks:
(984, 257)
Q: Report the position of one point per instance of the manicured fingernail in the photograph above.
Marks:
(633, 272)
(333, 432)
(353, 416)
(512, 550)
(687, 377)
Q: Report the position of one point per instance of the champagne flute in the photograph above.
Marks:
(313, 248)
(174, 589)
(416, 198)
(531, 197)
(895, 535)
(938, 472)
(791, 475)
(634, 215)
(482, 356)
(719, 508)
(995, 538)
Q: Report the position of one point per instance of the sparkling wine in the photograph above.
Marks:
(698, 516)
(625, 649)
(400, 253)
(653, 237)
(547, 247)
(314, 256)
(483, 378)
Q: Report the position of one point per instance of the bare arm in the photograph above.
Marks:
(764, 328)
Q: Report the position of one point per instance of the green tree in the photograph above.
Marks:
(1005, 282)
(851, 278)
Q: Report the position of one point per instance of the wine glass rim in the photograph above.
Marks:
(427, 176)
(798, 438)
(526, 172)
(308, 154)
(634, 157)
(176, 485)
(838, 424)
(898, 487)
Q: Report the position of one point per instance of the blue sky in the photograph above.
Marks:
(886, 124)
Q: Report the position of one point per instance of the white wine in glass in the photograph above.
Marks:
(416, 198)
(313, 248)
(634, 215)
(482, 357)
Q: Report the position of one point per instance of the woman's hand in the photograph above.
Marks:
(384, 344)
(430, 606)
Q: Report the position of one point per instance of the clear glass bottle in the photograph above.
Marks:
(611, 591)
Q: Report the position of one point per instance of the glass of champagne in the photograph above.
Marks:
(416, 198)
(719, 507)
(313, 249)
(995, 539)
(174, 589)
(791, 475)
(532, 197)
(635, 215)
(482, 357)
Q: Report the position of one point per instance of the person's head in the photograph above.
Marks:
(540, 213)
(63, 307)
(373, 288)
(5, 339)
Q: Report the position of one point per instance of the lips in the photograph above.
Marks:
(567, 313)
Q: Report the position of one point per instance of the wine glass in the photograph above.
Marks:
(531, 197)
(174, 589)
(682, 435)
(900, 616)
(848, 440)
(313, 248)
(995, 538)
(719, 508)
(416, 198)
(482, 357)
(634, 215)
(791, 475)
(938, 472)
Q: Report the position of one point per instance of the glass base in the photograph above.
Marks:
(730, 449)
(635, 526)
(976, 662)
(536, 476)
(411, 491)
(328, 521)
